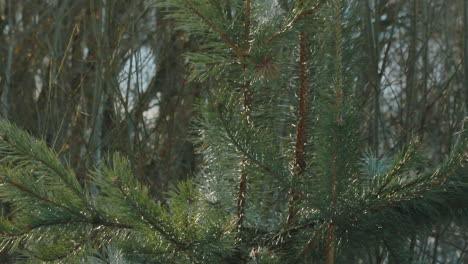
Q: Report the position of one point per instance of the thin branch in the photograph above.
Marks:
(299, 17)
(247, 24)
(244, 163)
(396, 169)
(242, 194)
(301, 136)
(330, 251)
(247, 111)
(62, 176)
(237, 50)
(330, 236)
(419, 192)
(244, 152)
(150, 220)
(94, 222)
(39, 197)
(62, 256)
(312, 239)
(65, 54)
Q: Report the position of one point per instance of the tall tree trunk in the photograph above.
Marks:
(9, 62)
(411, 83)
(372, 74)
(465, 55)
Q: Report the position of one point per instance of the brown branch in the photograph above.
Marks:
(247, 24)
(416, 193)
(238, 51)
(57, 258)
(299, 17)
(311, 241)
(94, 222)
(247, 97)
(247, 109)
(242, 194)
(330, 254)
(54, 169)
(301, 136)
(330, 250)
(245, 153)
(37, 196)
(388, 178)
(244, 162)
(148, 219)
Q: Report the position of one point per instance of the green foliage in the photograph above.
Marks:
(264, 195)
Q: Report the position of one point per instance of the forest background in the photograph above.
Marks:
(94, 77)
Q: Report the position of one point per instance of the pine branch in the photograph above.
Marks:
(313, 239)
(39, 197)
(154, 225)
(51, 239)
(398, 167)
(298, 18)
(237, 50)
(84, 221)
(59, 257)
(417, 193)
(36, 156)
(423, 184)
(244, 151)
(31, 155)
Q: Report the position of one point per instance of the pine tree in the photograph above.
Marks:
(286, 177)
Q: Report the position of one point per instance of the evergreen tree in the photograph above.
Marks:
(286, 178)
